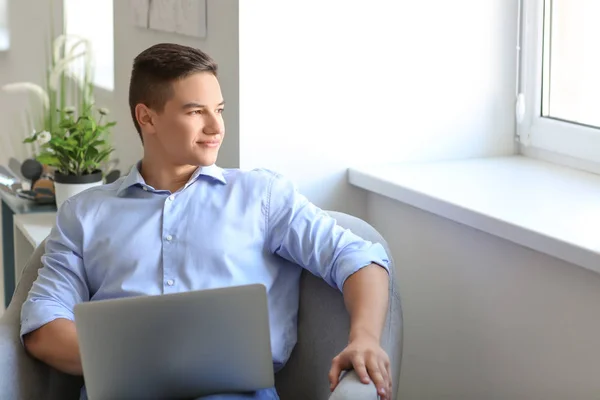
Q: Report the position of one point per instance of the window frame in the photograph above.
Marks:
(533, 130)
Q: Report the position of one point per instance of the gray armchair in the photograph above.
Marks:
(323, 325)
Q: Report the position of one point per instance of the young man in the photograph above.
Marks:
(177, 222)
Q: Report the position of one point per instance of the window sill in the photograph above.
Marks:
(546, 207)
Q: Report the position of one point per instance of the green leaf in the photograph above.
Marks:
(88, 136)
(66, 124)
(98, 143)
(56, 141)
(48, 159)
(103, 155)
(91, 153)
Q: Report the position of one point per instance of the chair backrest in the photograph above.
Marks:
(323, 327)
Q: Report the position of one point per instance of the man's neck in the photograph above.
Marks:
(163, 176)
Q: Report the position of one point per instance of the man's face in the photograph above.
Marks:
(190, 129)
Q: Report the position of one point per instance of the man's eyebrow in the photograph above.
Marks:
(198, 105)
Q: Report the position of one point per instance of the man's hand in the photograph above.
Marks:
(370, 362)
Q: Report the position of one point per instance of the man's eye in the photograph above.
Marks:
(220, 110)
(195, 112)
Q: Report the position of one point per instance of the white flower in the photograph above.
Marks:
(104, 111)
(69, 109)
(43, 138)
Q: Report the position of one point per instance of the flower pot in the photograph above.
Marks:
(69, 185)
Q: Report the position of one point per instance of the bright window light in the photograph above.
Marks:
(571, 90)
(93, 20)
(4, 37)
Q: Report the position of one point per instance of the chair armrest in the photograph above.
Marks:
(21, 377)
(9, 384)
(351, 388)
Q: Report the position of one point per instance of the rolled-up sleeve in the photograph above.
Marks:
(61, 281)
(300, 232)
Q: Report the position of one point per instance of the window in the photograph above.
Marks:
(93, 20)
(4, 38)
(560, 77)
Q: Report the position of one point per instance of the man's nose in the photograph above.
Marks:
(212, 126)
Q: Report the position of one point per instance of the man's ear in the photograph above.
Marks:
(145, 118)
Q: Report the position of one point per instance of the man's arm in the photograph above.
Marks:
(366, 296)
(56, 344)
(47, 328)
(300, 232)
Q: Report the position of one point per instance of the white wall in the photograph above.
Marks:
(221, 43)
(329, 84)
(24, 61)
(488, 319)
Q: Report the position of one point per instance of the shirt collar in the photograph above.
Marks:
(135, 178)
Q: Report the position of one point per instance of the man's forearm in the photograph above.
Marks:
(366, 297)
(56, 344)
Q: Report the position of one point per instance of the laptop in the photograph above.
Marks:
(182, 345)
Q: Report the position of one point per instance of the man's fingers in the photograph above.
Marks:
(361, 369)
(334, 373)
(368, 365)
(386, 377)
(377, 377)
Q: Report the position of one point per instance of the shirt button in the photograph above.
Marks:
(171, 197)
(169, 238)
(145, 188)
(170, 282)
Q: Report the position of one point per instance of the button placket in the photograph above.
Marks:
(168, 247)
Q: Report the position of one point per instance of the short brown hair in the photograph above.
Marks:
(155, 68)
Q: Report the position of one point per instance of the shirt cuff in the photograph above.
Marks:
(358, 259)
(38, 313)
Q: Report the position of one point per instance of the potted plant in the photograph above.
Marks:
(73, 142)
(75, 150)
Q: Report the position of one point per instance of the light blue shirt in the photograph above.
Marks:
(225, 227)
